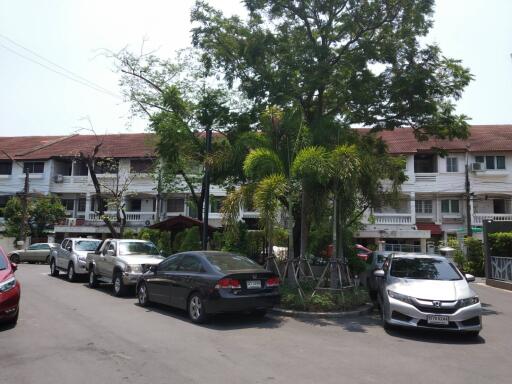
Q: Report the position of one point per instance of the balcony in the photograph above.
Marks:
(131, 217)
(406, 248)
(478, 218)
(425, 177)
(393, 218)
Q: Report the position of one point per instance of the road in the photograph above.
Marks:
(68, 333)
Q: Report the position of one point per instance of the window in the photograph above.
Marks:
(80, 168)
(5, 167)
(69, 204)
(81, 205)
(424, 269)
(135, 205)
(500, 206)
(106, 166)
(141, 165)
(491, 162)
(452, 165)
(190, 264)
(33, 166)
(231, 262)
(450, 206)
(216, 204)
(170, 264)
(425, 163)
(176, 204)
(423, 206)
(128, 248)
(86, 245)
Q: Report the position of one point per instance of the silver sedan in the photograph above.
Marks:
(425, 291)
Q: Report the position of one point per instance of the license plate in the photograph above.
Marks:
(437, 319)
(253, 284)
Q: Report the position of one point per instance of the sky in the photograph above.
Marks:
(34, 100)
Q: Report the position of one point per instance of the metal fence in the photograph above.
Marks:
(402, 248)
(501, 268)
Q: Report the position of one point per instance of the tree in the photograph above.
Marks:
(43, 213)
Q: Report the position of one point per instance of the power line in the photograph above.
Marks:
(76, 79)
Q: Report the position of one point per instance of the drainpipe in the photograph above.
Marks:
(468, 196)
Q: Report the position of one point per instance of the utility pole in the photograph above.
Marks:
(468, 199)
(206, 202)
(24, 207)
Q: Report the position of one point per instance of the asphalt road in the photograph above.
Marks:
(68, 333)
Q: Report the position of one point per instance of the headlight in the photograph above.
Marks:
(134, 268)
(469, 301)
(8, 284)
(82, 258)
(400, 297)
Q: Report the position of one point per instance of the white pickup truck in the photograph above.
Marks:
(121, 262)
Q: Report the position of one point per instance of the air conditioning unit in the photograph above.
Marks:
(58, 178)
(477, 167)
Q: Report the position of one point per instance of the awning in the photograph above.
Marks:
(179, 223)
(435, 229)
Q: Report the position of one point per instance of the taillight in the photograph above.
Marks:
(228, 284)
(273, 282)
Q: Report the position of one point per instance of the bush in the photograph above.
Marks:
(500, 244)
(475, 256)
(191, 240)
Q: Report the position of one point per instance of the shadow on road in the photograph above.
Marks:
(350, 324)
(6, 327)
(108, 290)
(487, 310)
(436, 337)
(221, 322)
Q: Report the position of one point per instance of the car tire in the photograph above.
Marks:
(53, 268)
(71, 275)
(143, 295)
(93, 279)
(196, 309)
(119, 286)
(15, 259)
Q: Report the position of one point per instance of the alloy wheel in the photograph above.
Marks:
(195, 308)
(117, 284)
(143, 294)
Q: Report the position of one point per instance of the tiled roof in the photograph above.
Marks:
(484, 138)
(39, 148)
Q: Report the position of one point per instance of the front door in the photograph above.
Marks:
(161, 283)
(185, 278)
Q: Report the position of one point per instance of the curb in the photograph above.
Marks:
(364, 310)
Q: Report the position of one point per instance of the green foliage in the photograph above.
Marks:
(500, 244)
(13, 217)
(262, 162)
(458, 255)
(129, 233)
(161, 239)
(191, 240)
(475, 256)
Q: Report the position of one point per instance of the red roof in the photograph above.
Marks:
(434, 229)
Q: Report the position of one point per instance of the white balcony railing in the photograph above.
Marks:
(478, 218)
(425, 177)
(402, 248)
(393, 218)
(130, 216)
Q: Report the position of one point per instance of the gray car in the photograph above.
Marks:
(425, 291)
(70, 257)
(35, 253)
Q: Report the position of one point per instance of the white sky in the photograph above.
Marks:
(36, 101)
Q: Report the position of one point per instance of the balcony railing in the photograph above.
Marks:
(402, 248)
(130, 216)
(393, 218)
(425, 177)
(478, 218)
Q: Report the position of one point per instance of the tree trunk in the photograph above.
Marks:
(303, 225)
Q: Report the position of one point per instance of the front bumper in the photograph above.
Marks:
(80, 267)
(466, 319)
(222, 303)
(131, 278)
(9, 303)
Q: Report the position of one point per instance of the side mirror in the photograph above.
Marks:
(153, 268)
(110, 252)
(469, 278)
(379, 273)
(68, 249)
(14, 267)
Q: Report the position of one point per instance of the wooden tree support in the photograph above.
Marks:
(342, 276)
(290, 271)
(304, 270)
(271, 265)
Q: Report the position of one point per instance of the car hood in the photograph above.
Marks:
(5, 274)
(82, 254)
(432, 289)
(141, 259)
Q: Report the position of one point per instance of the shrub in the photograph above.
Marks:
(500, 244)
(191, 240)
(475, 256)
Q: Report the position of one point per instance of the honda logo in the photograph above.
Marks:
(436, 304)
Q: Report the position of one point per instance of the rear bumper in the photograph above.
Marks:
(9, 303)
(466, 319)
(222, 304)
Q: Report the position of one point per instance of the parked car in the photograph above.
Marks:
(362, 252)
(70, 257)
(37, 252)
(9, 291)
(209, 282)
(376, 261)
(121, 262)
(425, 291)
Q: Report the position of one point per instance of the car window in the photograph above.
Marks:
(45, 246)
(190, 263)
(423, 268)
(33, 247)
(3, 261)
(86, 245)
(231, 262)
(64, 244)
(127, 248)
(170, 264)
(111, 247)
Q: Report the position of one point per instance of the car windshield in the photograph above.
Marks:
(3, 261)
(127, 248)
(423, 268)
(86, 245)
(225, 263)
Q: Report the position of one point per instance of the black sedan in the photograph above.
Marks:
(208, 282)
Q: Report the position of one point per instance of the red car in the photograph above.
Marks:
(9, 291)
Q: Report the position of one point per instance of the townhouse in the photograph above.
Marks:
(433, 204)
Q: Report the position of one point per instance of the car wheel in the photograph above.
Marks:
(53, 269)
(71, 272)
(15, 259)
(383, 321)
(119, 287)
(93, 279)
(196, 310)
(143, 295)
